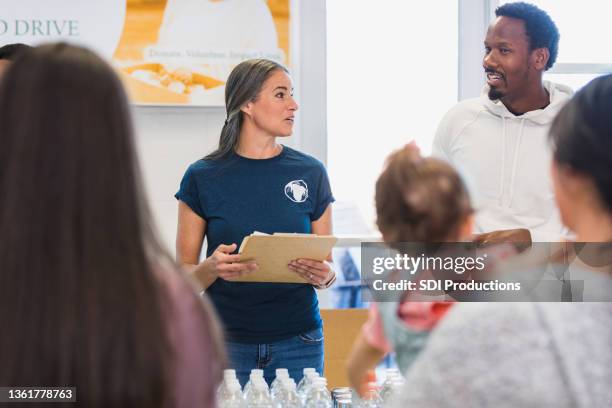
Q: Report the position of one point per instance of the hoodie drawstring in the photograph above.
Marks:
(515, 161)
(503, 163)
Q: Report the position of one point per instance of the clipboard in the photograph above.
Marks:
(274, 252)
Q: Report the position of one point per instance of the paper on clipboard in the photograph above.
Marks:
(274, 252)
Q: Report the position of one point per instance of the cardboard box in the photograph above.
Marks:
(340, 329)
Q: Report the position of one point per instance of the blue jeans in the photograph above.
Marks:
(294, 354)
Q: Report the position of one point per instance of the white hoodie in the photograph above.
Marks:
(506, 162)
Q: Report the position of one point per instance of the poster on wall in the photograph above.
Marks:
(167, 52)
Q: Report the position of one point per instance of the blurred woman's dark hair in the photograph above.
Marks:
(420, 199)
(243, 85)
(80, 304)
(581, 135)
(12, 51)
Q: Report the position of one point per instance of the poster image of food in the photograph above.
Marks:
(167, 52)
(181, 52)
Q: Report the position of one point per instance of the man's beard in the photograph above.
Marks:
(495, 94)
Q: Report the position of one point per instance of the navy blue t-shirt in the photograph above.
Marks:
(237, 196)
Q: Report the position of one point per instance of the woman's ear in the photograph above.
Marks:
(247, 108)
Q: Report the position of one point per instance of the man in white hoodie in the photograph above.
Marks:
(499, 141)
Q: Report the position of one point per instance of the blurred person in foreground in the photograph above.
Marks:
(10, 52)
(88, 297)
(418, 200)
(539, 354)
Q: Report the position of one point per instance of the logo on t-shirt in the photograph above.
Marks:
(297, 191)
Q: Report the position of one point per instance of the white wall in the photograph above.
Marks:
(309, 67)
(474, 19)
(168, 140)
(392, 75)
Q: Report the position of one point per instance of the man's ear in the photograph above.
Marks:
(540, 57)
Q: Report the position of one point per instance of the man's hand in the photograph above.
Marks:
(520, 238)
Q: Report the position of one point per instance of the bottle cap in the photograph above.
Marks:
(369, 378)
(282, 372)
(229, 374)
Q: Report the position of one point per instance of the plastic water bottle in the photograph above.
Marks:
(393, 383)
(287, 396)
(343, 403)
(305, 371)
(390, 375)
(358, 395)
(371, 399)
(306, 383)
(233, 396)
(344, 394)
(318, 396)
(396, 387)
(228, 376)
(258, 396)
(281, 373)
(255, 373)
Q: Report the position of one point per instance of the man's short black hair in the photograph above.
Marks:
(12, 51)
(540, 28)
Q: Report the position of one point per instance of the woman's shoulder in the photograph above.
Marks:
(304, 158)
(475, 335)
(180, 293)
(194, 336)
(480, 349)
(476, 320)
(203, 169)
(551, 348)
(204, 165)
(508, 332)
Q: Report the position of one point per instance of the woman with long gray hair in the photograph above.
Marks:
(253, 183)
